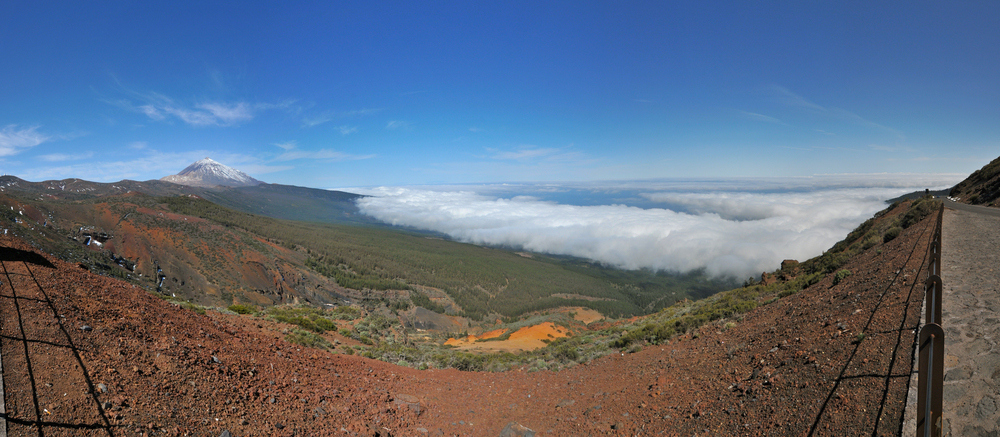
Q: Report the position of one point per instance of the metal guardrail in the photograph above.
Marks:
(931, 342)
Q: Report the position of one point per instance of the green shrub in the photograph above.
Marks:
(196, 308)
(918, 210)
(840, 276)
(891, 234)
(307, 339)
(241, 309)
(870, 242)
(305, 317)
(421, 299)
(346, 313)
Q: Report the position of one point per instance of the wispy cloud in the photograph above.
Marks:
(347, 130)
(160, 107)
(61, 157)
(527, 153)
(397, 124)
(322, 154)
(328, 116)
(14, 139)
(316, 120)
(892, 149)
(229, 113)
(523, 153)
(761, 117)
(789, 98)
(292, 152)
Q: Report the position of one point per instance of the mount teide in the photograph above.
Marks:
(208, 173)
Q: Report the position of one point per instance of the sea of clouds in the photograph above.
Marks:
(733, 227)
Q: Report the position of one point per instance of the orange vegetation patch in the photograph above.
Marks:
(527, 338)
(474, 338)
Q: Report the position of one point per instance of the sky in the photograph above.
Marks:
(397, 94)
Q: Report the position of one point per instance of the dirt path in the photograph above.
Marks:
(971, 320)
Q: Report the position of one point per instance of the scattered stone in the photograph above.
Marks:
(958, 373)
(986, 408)
(226, 433)
(86, 328)
(409, 402)
(565, 403)
(102, 388)
(514, 429)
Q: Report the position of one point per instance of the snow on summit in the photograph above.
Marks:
(208, 173)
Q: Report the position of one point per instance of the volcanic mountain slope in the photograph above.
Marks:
(833, 359)
(271, 200)
(137, 237)
(208, 173)
(982, 187)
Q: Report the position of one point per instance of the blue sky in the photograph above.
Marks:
(339, 94)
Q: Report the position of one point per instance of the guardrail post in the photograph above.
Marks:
(935, 262)
(931, 380)
(933, 290)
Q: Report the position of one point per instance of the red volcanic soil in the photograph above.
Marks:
(88, 355)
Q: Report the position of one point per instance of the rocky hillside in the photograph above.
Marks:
(831, 359)
(981, 188)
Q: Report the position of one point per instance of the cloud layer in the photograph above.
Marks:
(726, 230)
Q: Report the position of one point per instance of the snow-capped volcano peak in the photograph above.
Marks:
(208, 173)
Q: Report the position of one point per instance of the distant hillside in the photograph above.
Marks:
(291, 203)
(917, 195)
(981, 187)
(216, 247)
(271, 200)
